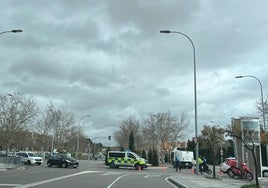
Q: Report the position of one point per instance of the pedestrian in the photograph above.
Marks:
(177, 164)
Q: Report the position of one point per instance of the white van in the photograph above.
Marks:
(264, 170)
(29, 158)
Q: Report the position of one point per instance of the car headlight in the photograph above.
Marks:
(67, 161)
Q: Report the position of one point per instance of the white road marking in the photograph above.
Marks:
(55, 179)
(146, 176)
(10, 185)
(117, 180)
(152, 175)
(111, 173)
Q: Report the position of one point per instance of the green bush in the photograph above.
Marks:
(167, 157)
(155, 161)
(150, 157)
(153, 157)
(143, 155)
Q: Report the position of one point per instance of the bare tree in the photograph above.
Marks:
(122, 135)
(55, 129)
(63, 128)
(44, 127)
(149, 132)
(260, 109)
(17, 114)
(247, 137)
(163, 128)
(212, 136)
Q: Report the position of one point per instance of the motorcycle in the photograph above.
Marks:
(203, 168)
(236, 169)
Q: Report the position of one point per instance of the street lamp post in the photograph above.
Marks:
(263, 109)
(52, 144)
(195, 95)
(12, 31)
(53, 134)
(77, 149)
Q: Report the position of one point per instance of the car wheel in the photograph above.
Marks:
(112, 165)
(63, 165)
(28, 163)
(49, 164)
(249, 176)
(230, 174)
(209, 171)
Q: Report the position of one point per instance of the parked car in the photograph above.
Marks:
(3, 153)
(62, 160)
(29, 158)
(264, 170)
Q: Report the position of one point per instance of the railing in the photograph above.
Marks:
(10, 162)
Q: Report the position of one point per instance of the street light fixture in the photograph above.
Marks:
(12, 31)
(263, 109)
(195, 94)
(79, 133)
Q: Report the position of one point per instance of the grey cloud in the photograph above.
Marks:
(107, 58)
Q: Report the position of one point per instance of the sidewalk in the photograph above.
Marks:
(4, 166)
(206, 181)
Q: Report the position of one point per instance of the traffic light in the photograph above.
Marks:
(109, 137)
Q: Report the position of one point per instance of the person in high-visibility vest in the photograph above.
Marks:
(200, 162)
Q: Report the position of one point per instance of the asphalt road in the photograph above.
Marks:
(89, 174)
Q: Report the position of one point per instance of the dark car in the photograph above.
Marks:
(63, 161)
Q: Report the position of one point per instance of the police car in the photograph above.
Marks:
(115, 159)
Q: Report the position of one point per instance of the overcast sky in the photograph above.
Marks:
(108, 59)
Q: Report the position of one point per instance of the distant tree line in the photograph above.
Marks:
(24, 127)
(147, 137)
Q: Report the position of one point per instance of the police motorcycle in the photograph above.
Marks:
(203, 168)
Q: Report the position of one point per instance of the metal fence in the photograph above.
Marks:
(10, 162)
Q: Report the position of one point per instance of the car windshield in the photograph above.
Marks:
(32, 155)
(67, 157)
(136, 155)
(70, 158)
